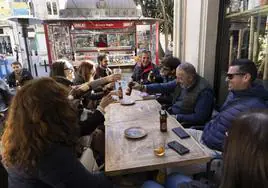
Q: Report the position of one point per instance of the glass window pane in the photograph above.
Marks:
(49, 10)
(55, 8)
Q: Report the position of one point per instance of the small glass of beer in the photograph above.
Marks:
(159, 144)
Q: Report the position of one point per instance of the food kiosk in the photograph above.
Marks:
(122, 39)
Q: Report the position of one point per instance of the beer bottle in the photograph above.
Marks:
(151, 76)
(120, 91)
(163, 121)
(17, 84)
(129, 90)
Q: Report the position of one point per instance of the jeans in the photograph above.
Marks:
(197, 135)
(196, 168)
(172, 182)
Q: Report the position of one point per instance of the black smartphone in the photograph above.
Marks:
(180, 132)
(176, 146)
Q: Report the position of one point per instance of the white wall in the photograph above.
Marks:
(195, 35)
(40, 9)
(192, 31)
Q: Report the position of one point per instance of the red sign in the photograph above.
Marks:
(103, 25)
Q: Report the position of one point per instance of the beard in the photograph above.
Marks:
(183, 86)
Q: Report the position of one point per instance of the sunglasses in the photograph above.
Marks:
(231, 76)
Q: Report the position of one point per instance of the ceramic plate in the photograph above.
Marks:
(135, 132)
(127, 102)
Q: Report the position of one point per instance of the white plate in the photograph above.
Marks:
(127, 102)
(135, 132)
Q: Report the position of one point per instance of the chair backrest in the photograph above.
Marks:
(3, 176)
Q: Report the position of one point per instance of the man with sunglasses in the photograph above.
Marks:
(142, 69)
(244, 94)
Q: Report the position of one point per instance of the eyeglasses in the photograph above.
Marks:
(231, 76)
(68, 69)
(164, 68)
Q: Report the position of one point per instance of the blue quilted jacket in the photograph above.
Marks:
(236, 102)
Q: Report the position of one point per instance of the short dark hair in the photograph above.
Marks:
(16, 63)
(171, 62)
(246, 66)
(245, 151)
(57, 69)
(101, 57)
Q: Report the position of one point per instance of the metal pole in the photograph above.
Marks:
(251, 37)
(25, 35)
(231, 49)
(35, 68)
(240, 42)
(45, 63)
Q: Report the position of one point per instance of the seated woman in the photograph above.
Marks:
(40, 138)
(244, 158)
(61, 71)
(62, 68)
(85, 73)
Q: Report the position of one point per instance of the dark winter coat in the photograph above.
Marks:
(102, 72)
(141, 73)
(25, 75)
(192, 104)
(236, 102)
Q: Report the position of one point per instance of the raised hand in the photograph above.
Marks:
(106, 100)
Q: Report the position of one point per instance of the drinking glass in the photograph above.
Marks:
(117, 71)
(159, 143)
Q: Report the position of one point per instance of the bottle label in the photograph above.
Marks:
(163, 126)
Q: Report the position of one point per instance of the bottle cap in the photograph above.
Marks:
(162, 112)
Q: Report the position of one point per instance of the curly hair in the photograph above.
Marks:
(40, 115)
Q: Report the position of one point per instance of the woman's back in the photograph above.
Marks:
(59, 167)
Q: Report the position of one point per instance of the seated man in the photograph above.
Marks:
(102, 69)
(243, 95)
(167, 73)
(168, 70)
(19, 75)
(192, 95)
(142, 69)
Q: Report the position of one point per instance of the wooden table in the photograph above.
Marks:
(124, 155)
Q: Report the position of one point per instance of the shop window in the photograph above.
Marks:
(1, 31)
(55, 8)
(49, 9)
(31, 8)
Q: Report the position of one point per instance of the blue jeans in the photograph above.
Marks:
(173, 181)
